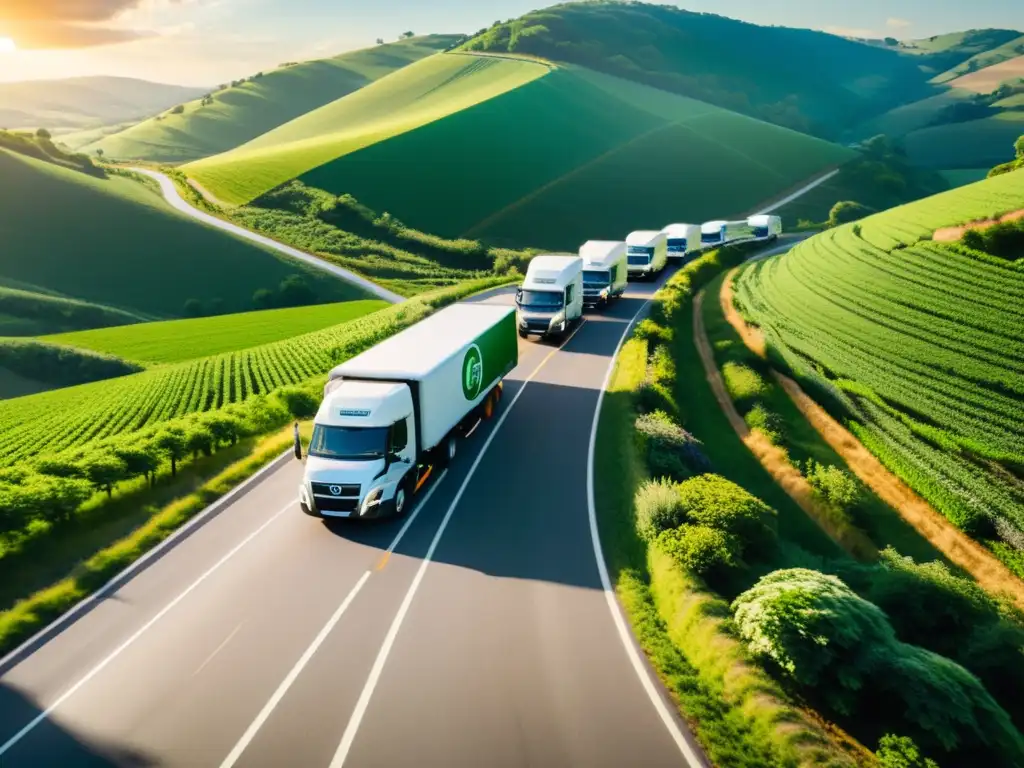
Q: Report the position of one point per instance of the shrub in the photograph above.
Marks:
(263, 414)
(669, 449)
(743, 383)
(901, 752)
(846, 211)
(651, 332)
(658, 508)
(838, 487)
(713, 501)
(699, 549)
(767, 422)
(662, 367)
(816, 630)
(301, 403)
(199, 440)
(104, 470)
(651, 397)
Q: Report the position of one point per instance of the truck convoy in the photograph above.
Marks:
(646, 253)
(550, 299)
(765, 227)
(683, 240)
(605, 271)
(721, 232)
(396, 411)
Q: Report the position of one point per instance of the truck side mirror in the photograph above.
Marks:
(519, 296)
(298, 442)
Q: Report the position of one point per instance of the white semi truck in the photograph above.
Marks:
(605, 271)
(723, 232)
(395, 412)
(646, 253)
(765, 227)
(550, 300)
(684, 241)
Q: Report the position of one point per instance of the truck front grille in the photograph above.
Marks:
(335, 490)
(538, 325)
(326, 504)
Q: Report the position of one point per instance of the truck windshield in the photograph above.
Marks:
(710, 237)
(596, 277)
(541, 299)
(677, 245)
(349, 443)
(639, 254)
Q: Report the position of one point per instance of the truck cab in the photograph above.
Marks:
(550, 299)
(684, 240)
(605, 271)
(713, 233)
(765, 227)
(646, 253)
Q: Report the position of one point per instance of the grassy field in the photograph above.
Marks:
(978, 63)
(84, 102)
(115, 242)
(244, 111)
(974, 144)
(919, 345)
(912, 117)
(988, 79)
(416, 95)
(964, 176)
(568, 152)
(174, 341)
(92, 412)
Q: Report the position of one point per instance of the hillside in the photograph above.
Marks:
(28, 366)
(760, 71)
(173, 341)
(991, 77)
(971, 144)
(1010, 48)
(113, 241)
(919, 345)
(567, 150)
(234, 114)
(84, 102)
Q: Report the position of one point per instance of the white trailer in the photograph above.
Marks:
(721, 232)
(646, 253)
(765, 226)
(684, 241)
(550, 299)
(605, 271)
(394, 412)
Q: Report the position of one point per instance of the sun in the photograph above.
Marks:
(7, 45)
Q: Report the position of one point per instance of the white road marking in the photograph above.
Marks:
(389, 640)
(7, 745)
(625, 635)
(217, 650)
(293, 675)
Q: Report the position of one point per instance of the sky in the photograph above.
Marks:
(205, 42)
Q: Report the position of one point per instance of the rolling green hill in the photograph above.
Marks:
(991, 77)
(1008, 49)
(30, 365)
(83, 102)
(115, 242)
(173, 341)
(33, 313)
(549, 153)
(971, 144)
(236, 114)
(920, 345)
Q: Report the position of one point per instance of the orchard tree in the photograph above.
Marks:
(171, 441)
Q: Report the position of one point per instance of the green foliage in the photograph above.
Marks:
(670, 450)
(104, 470)
(58, 365)
(1004, 240)
(301, 403)
(700, 549)
(836, 486)
(33, 313)
(714, 501)
(901, 752)
(658, 508)
(767, 422)
(846, 211)
(916, 344)
(743, 383)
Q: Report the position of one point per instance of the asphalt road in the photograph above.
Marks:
(483, 637)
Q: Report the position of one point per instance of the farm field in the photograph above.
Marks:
(988, 79)
(922, 345)
(173, 341)
(104, 409)
(243, 112)
(115, 242)
(416, 95)
(1009, 48)
(974, 144)
(586, 157)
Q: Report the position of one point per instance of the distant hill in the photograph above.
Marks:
(1009, 49)
(519, 153)
(234, 114)
(114, 242)
(941, 53)
(85, 102)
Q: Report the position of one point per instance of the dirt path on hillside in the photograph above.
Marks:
(957, 546)
(772, 458)
(949, 234)
(210, 197)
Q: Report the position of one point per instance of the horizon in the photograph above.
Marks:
(199, 43)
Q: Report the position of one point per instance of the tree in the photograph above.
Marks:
(199, 440)
(99, 152)
(104, 471)
(57, 500)
(846, 211)
(406, 35)
(193, 308)
(171, 441)
(294, 291)
(140, 459)
(224, 428)
(178, 109)
(901, 752)
(380, 41)
(42, 133)
(263, 299)
(891, 41)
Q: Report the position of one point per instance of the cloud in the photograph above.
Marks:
(63, 10)
(898, 23)
(55, 34)
(50, 24)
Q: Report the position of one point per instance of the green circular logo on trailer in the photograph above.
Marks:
(472, 373)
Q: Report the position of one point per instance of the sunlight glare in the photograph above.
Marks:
(7, 45)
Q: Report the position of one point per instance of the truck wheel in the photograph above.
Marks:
(451, 446)
(522, 334)
(402, 495)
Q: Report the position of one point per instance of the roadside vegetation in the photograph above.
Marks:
(734, 563)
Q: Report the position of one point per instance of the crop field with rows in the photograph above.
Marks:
(51, 422)
(922, 342)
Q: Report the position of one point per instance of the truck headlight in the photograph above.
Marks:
(557, 319)
(604, 292)
(371, 501)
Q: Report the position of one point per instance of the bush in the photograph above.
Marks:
(838, 487)
(658, 508)
(846, 211)
(301, 403)
(662, 367)
(651, 332)
(670, 450)
(743, 383)
(901, 752)
(104, 470)
(699, 549)
(651, 397)
(713, 501)
(767, 422)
